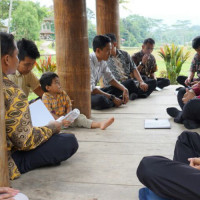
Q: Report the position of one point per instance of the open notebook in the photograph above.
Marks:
(157, 124)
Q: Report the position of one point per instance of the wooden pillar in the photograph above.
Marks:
(4, 177)
(72, 51)
(108, 17)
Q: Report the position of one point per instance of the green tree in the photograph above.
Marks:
(25, 21)
(4, 8)
(91, 27)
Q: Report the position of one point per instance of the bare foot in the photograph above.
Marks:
(106, 123)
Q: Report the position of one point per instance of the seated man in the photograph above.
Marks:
(24, 78)
(28, 147)
(104, 98)
(189, 101)
(122, 67)
(59, 103)
(194, 68)
(146, 63)
(176, 179)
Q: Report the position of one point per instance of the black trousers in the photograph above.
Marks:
(181, 80)
(189, 116)
(161, 82)
(173, 179)
(58, 148)
(180, 95)
(100, 102)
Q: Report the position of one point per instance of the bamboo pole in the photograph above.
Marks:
(108, 17)
(72, 51)
(4, 177)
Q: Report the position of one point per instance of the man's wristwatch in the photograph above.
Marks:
(112, 97)
(141, 64)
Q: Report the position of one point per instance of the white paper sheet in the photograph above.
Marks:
(157, 124)
(40, 115)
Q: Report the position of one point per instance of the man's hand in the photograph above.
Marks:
(188, 95)
(55, 126)
(188, 81)
(194, 82)
(118, 102)
(7, 193)
(195, 163)
(143, 86)
(125, 96)
(145, 58)
(66, 123)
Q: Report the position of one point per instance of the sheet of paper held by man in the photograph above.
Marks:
(39, 114)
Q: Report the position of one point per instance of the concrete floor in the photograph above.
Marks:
(104, 168)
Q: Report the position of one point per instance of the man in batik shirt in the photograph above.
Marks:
(146, 63)
(194, 68)
(28, 147)
(125, 71)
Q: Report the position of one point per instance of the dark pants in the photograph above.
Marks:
(173, 179)
(58, 148)
(180, 95)
(181, 80)
(161, 82)
(100, 102)
(190, 116)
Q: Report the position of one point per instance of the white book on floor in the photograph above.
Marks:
(157, 124)
(40, 115)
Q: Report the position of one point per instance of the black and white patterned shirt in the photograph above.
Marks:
(195, 65)
(121, 66)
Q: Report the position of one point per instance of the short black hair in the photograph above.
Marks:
(196, 42)
(27, 48)
(149, 40)
(46, 80)
(100, 41)
(111, 36)
(7, 44)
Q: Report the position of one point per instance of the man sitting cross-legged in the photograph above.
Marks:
(146, 63)
(28, 147)
(125, 71)
(176, 179)
(189, 101)
(104, 98)
(194, 68)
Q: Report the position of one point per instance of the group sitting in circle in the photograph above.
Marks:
(125, 78)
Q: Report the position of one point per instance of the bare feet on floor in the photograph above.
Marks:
(106, 123)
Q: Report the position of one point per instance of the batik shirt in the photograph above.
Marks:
(57, 105)
(20, 133)
(121, 66)
(149, 68)
(195, 65)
